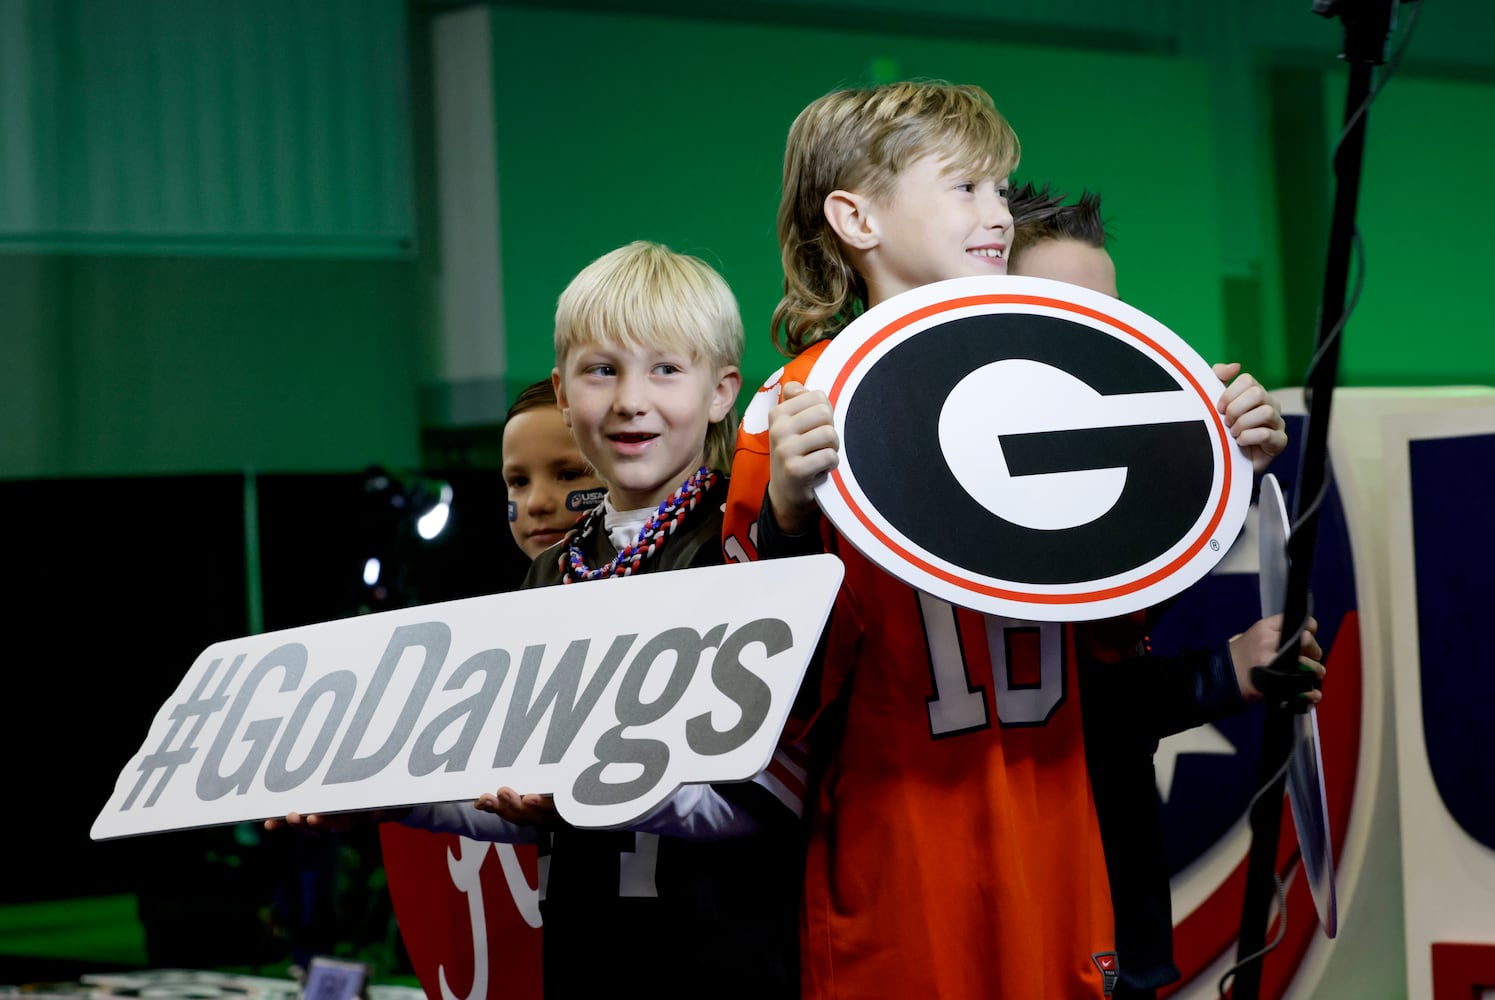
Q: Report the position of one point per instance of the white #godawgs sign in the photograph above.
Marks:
(1029, 448)
(609, 695)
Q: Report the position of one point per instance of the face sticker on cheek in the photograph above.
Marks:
(580, 500)
(513, 512)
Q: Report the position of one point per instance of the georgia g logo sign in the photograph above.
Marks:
(1029, 448)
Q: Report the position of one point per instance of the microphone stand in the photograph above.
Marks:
(1367, 24)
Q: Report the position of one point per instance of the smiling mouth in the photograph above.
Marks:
(994, 253)
(632, 438)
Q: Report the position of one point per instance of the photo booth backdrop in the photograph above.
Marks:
(198, 278)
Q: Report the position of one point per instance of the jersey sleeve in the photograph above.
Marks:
(749, 481)
(786, 777)
(1157, 695)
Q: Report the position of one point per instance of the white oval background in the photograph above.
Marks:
(1018, 396)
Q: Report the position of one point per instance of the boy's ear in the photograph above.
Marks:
(724, 395)
(849, 215)
(560, 395)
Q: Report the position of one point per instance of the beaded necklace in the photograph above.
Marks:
(661, 524)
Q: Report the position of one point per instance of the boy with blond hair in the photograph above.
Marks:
(698, 897)
(950, 855)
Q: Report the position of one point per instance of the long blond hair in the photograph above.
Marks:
(859, 140)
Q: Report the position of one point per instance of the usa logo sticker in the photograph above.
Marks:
(1029, 448)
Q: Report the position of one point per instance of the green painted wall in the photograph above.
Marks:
(1425, 219)
(155, 126)
(614, 128)
(673, 130)
(134, 365)
(206, 237)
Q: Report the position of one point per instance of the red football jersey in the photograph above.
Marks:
(954, 849)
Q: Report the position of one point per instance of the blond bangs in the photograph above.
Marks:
(980, 152)
(959, 124)
(645, 295)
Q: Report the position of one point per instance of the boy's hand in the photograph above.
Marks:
(1253, 415)
(1257, 647)
(521, 810)
(335, 822)
(802, 447)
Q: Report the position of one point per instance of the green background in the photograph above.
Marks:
(258, 291)
(214, 326)
(693, 157)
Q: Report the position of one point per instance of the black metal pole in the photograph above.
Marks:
(1366, 29)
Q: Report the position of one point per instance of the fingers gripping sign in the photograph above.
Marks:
(1259, 644)
(803, 447)
(523, 810)
(1253, 415)
(1082, 456)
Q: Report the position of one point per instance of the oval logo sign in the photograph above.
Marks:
(1029, 448)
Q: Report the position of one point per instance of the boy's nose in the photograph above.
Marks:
(998, 215)
(541, 501)
(628, 395)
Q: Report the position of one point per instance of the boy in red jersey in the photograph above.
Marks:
(955, 846)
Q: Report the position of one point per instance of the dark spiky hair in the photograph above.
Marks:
(1039, 214)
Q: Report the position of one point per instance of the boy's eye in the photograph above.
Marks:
(1003, 193)
(603, 370)
(968, 187)
(569, 475)
(518, 483)
(668, 369)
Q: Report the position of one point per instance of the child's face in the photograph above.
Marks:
(936, 223)
(1072, 261)
(640, 415)
(543, 469)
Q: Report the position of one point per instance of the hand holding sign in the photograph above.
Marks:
(335, 822)
(609, 697)
(524, 810)
(1260, 643)
(1253, 415)
(805, 448)
(1030, 448)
